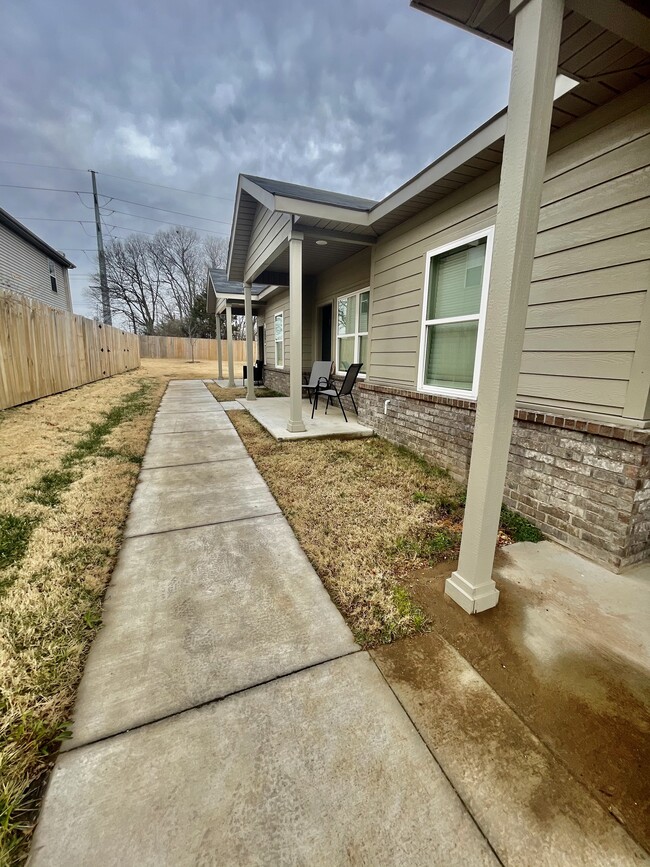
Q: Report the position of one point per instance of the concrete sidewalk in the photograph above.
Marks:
(226, 715)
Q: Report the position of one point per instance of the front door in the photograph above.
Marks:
(325, 316)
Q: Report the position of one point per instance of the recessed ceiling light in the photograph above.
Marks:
(321, 243)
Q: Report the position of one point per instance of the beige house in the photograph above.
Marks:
(499, 300)
(30, 266)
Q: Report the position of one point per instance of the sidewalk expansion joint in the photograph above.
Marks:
(207, 524)
(215, 700)
(191, 464)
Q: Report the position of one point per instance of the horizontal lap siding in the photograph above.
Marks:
(351, 275)
(269, 229)
(25, 269)
(590, 277)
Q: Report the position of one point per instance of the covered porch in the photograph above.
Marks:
(287, 238)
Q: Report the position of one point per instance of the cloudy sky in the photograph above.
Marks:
(351, 95)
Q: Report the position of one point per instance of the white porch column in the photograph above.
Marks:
(231, 363)
(219, 347)
(295, 422)
(534, 67)
(248, 309)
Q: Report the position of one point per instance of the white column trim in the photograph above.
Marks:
(536, 46)
(231, 362)
(250, 374)
(217, 317)
(295, 422)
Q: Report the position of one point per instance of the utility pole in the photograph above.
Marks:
(103, 282)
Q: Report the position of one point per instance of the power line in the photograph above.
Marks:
(116, 199)
(126, 214)
(121, 178)
(163, 187)
(166, 222)
(39, 166)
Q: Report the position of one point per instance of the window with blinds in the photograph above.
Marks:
(454, 303)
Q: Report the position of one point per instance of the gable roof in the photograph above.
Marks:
(27, 235)
(311, 194)
(220, 287)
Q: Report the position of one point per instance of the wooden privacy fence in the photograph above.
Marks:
(44, 351)
(181, 348)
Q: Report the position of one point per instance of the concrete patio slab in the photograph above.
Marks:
(173, 498)
(321, 767)
(272, 413)
(190, 422)
(176, 449)
(498, 766)
(229, 405)
(194, 615)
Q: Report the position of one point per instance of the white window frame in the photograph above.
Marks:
(54, 282)
(357, 334)
(275, 342)
(472, 394)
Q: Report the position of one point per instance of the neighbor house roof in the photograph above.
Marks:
(27, 235)
(220, 288)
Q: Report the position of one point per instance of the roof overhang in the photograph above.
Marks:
(221, 292)
(617, 20)
(27, 235)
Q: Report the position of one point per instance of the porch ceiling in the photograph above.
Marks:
(605, 44)
(316, 258)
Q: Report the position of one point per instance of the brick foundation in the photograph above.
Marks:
(583, 484)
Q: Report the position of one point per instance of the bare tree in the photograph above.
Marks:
(157, 285)
(216, 251)
(135, 287)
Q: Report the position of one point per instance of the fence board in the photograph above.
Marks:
(181, 348)
(44, 350)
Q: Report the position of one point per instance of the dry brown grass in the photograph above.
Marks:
(68, 493)
(364, 511)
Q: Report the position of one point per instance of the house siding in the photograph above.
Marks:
(590, 276)
(24, 269)
(270, 228)
(348, 276)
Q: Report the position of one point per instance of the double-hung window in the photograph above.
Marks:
(352, 330)
(52, 269)
(455, 298)
(278, 336)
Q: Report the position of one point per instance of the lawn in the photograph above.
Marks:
(68, 467)
(367, 513)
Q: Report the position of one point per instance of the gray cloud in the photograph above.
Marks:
(351, 95)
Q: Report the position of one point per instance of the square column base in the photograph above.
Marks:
(471, 599)
(296, 426)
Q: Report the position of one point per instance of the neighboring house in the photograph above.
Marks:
(402, 285)
(29, 265)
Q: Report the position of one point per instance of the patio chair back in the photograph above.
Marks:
(319, 370)
(350, 378)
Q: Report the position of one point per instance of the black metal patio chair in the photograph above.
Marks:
(321, 373)
(336, 394)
